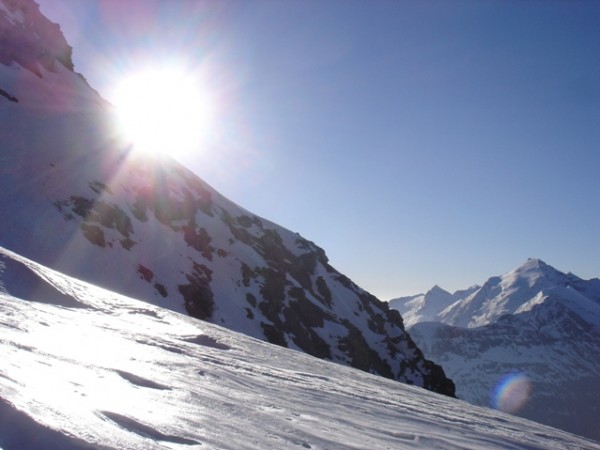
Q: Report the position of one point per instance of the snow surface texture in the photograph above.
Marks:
(534, 330)
(75, 197)
(83, 367)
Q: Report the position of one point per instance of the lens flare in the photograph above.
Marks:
(511, 393)
(163, 111)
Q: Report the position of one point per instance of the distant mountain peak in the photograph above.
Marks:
(533, 320)
(535, 263)
(436, 290)
(535, 272)
(438, 296)
(422, 307)
(499, 295)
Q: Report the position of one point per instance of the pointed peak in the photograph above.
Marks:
(535, 261)
(535, 264)
(437, 294)
(436, 290)
(535, 269)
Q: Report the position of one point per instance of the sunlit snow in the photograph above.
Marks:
(82, 366)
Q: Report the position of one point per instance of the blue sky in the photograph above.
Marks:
(417, 142)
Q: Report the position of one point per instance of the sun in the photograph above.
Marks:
(163, 111)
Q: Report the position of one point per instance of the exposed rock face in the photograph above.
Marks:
(30, 39)
(149, 228)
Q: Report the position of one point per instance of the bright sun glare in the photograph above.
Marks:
(163, 111)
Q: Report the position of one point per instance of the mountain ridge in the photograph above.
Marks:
(499, 295)
(79, 200)
(535, 324)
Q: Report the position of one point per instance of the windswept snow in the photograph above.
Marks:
(84, 367)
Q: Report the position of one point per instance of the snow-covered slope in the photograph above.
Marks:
(74, 197)
(83, 367)
(536, 352)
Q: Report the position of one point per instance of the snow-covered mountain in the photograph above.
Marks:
(509, 294)
(527, 342)
(500, 295)
(74, 197)
(427, 307)
(83, 367)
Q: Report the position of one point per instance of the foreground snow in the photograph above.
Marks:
(82, 367)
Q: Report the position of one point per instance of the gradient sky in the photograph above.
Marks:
(417, 142)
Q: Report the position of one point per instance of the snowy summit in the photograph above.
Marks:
(526, 342)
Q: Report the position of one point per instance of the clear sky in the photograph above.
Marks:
(417, 142)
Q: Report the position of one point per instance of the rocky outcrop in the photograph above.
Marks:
(30, 39)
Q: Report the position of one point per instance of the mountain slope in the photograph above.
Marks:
(83, 367)
(76, 198)
(537, 353)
